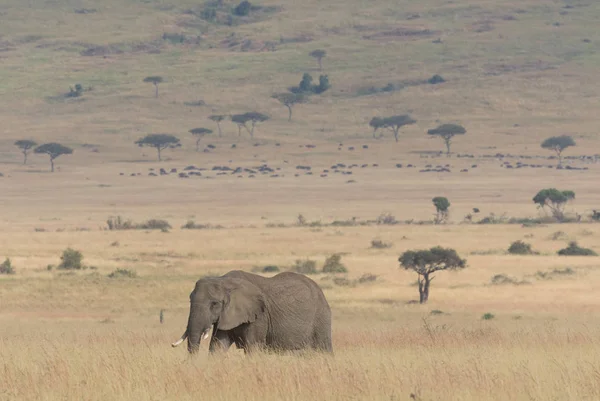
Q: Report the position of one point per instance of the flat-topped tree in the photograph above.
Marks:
(289, 100)
(200, 133)
(25, 145)
(217, 118)
(394, 123)
(159, 141)
(425, 262)
(252, 117)
(447, 132)
(558, 144)
(53, 150)
(376, 123)
(154, 80)
(554, 200)
(318, 54)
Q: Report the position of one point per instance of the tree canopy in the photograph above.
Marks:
(447, 132)
(253, 116)
(318, 54)
(25, 145)
(217, 118)
(427, 261)
(394, 123)
(441, 206)
(53, 150)
(199, 133)
(558, 144)
(289, 100)
(554, 200)
(159, 142)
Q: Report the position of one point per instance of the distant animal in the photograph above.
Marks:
(285, 312)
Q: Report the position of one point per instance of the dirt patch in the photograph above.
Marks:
(402, 34)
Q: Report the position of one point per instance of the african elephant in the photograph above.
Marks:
(285, 312)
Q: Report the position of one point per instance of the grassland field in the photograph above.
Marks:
(516, 72)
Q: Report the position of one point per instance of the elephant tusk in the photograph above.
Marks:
(205, 334)
(183, 337)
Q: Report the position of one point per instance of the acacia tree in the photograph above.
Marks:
(53, 150)
(447, 132)
(558, 144)
(154, 80)
(442, 205)
(318, 54)
(554, 200)
(393, 123)
(376, 123)
(25, 145)
(253, 117)
(199, 133)
(425, 262)
(289, 100)
(217, 118)
(159, 141)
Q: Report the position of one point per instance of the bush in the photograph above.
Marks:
(343, 282)
(123, 273)
(6, 267)
(269, 269)
(436, 79)
(520, 248)
(242, 9)
(154, 224)
(386, 219)
(333, 264)
(71, 260)
(575, 250)
(367, 278)
(305, 266)
(488, 316)
(117, 223)
(379, 244)
(503, 279)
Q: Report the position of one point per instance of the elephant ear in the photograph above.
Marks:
(244, 303)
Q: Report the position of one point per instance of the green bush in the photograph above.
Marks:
(379, 244)
(6, 267)
(71, 260)
(520, 248)
(305, 266)
(333, 264)
(575, 250)
(488, 316)
(123, 273)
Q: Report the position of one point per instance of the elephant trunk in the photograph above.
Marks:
(196, 330)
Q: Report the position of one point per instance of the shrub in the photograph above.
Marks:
(242, 9)
(270, 269)
(155, 224)
(305, 266)
(117, 223)
(379, 244)
(386, 218)
(520, 248)
(6, 267)
(333, 264)
(367, 278)
(123, 273)
(436, 79)
(503, 279)
(488, 316)
(71, 260)
(575, 250)
(343, 282)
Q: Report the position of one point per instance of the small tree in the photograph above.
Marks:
(154, 80)
(376, 123)
(306, 83)
(447, 132)
(394, 123)
(289, 100)
(199, 133)
(441, 207)
(428, 261)
(159, 141)
(323, 85)
(243, 119)
(53, 150)
(217, 118)
(243, 9)
(25, 145)
(558, 144)
(555, 200)
(318, 54)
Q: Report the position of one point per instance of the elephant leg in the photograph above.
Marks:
(220, 341)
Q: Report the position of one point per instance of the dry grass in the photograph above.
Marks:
(514, 77)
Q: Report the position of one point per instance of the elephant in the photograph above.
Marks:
(286, 312)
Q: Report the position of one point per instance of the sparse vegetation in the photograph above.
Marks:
(520, 248)
(159, 142)
(428, 261)
(25, 145)
(6, 267)
(118, 223)
(306, 266)
(333, 264)
(575, 250)
(123, 273)
(377, 243)
(53, 150)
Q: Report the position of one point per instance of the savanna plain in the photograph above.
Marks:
(506, 327)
